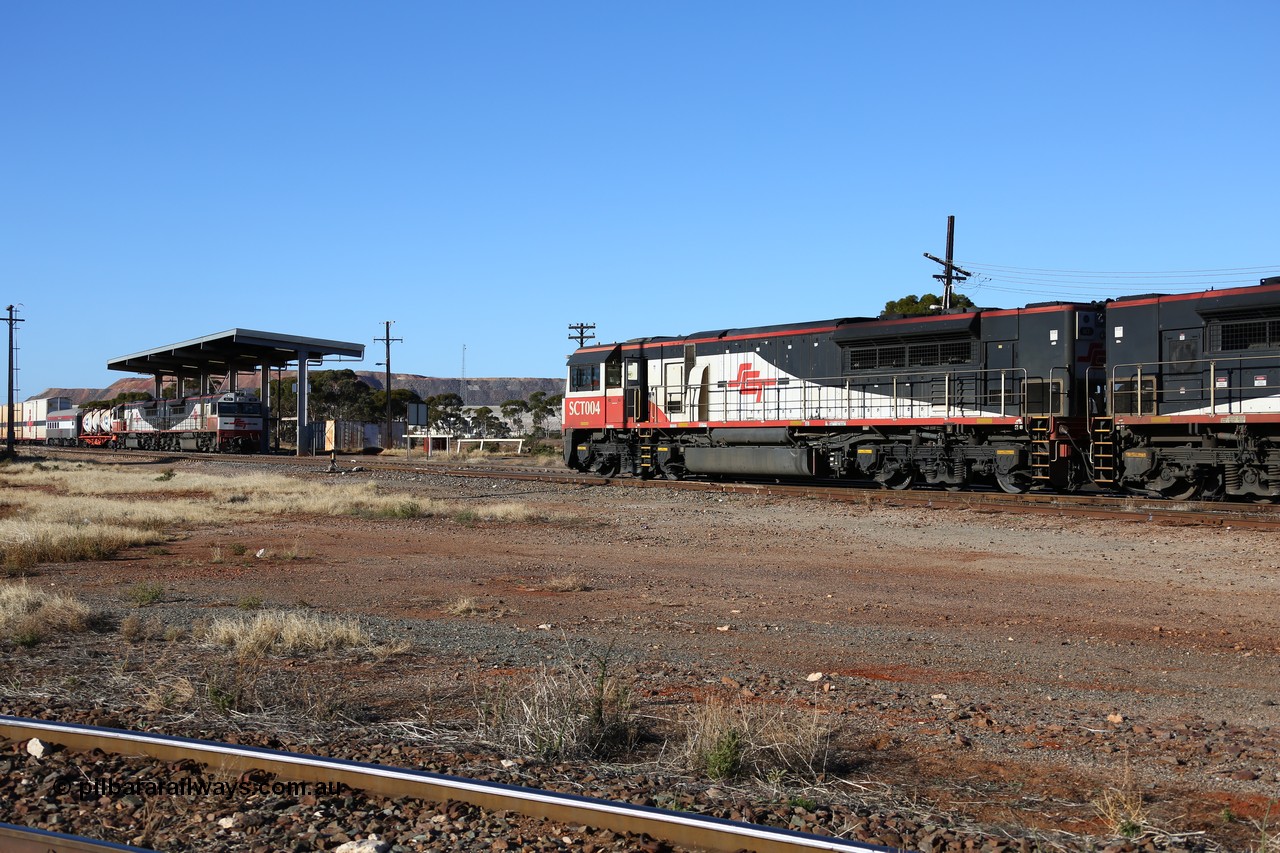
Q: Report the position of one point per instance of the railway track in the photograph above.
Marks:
(678, 829)
(1132, 508)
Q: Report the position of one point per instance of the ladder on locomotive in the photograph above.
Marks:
(1102, 451)
(1041, 448)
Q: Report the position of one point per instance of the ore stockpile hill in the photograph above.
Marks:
(479, 391)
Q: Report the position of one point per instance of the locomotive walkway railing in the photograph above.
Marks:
(1224, 385)
(921, 393)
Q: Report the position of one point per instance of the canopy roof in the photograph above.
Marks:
(241, 350)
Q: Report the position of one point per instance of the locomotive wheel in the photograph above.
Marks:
(1175, 488)
(898, 481)
(1182, 491)
(1013, 483)
(606, 466)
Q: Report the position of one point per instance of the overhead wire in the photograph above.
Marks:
(1042, 281)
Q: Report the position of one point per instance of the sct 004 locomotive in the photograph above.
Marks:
(229, 423)
(1177, 395)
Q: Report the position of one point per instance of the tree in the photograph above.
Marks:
(123, 397)
(444, 412)
(340, 395)
(486, 423)
(926, 304)
(541, 407)
(400, 400)
(514, 411)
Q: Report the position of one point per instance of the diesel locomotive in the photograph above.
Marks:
(1177, 395)
(230, 422)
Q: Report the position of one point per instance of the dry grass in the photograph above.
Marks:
(567, 583)
(728, 739)
(29, 615)
(285, 633)
(137, 629)
(1122, 807)
(578, 712)
(25, 544)
(93, 511)
(462, 607)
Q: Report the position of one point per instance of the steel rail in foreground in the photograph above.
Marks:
(26, 839)
(695, 831)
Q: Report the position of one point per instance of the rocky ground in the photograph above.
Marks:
(1023, 683)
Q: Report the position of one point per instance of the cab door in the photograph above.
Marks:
(635, 388)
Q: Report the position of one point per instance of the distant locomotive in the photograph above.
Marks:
(230, 423)
(1175, 395)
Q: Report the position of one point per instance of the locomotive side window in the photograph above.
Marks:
(584, 377)
(613, 374)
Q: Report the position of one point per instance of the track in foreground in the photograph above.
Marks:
(685, 830)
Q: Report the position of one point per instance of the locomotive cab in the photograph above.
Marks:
(593, 392)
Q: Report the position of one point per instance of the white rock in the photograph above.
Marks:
(813, 676)
(227, 822)
(36, 748)
(364, 845)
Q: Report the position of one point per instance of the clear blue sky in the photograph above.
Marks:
(486, 173)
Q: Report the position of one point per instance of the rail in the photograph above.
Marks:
(25, 839)
(689, 830)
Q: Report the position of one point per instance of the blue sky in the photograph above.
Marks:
(486, 173)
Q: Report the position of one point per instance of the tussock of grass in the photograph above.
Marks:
(136, 629)
(29, 615)
(285, 633)
(578, 712)
(1123, 807)
(567, 583)
(462, 607)
(727, 739)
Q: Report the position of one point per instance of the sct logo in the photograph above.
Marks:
(749, 382)
(582, 408)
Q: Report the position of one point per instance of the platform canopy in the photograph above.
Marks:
(232, 351)
(238, 351)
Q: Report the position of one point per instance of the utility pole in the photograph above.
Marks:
(386, 384)
(580, 332)
(951, 273)
(462, 383)
(13, 321)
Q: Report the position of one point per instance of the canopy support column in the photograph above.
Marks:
(304, 426)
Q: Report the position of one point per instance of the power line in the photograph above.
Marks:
(1201, 273)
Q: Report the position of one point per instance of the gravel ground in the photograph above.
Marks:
(989, 681)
